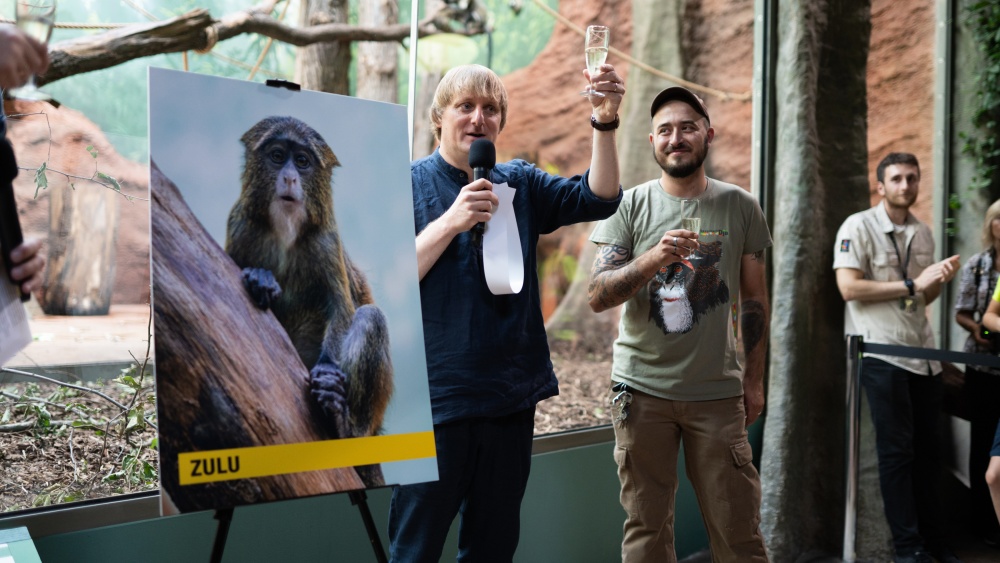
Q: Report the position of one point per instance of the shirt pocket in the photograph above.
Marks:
(885, 266)
(921, 259)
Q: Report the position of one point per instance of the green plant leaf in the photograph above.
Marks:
(114, 183)
(41, 180)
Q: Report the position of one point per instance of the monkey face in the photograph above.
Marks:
(286, 177)
(289, 162)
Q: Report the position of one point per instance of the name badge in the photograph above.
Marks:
(908, 304)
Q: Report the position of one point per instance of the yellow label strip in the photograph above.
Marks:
(261, 461)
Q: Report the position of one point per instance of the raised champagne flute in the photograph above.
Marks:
(35, 18)
(596, 49)
(690, 216)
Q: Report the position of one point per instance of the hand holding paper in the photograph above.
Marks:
(503, 263)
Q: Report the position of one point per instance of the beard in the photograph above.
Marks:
(684, 168)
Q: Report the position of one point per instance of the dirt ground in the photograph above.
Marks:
(85, 452)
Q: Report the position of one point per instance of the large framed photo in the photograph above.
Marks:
(288, 337)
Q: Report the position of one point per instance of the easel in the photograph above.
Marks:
(358, 498)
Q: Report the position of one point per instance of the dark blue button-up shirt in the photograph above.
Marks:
(487, 355)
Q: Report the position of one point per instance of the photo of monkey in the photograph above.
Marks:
(301, 210)
(683, 291)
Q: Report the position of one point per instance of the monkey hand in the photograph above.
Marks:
(262, 286)
(328, 386)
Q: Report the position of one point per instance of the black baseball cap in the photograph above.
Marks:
(678, 93)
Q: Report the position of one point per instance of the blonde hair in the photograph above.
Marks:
(475, 80)
(992, 212)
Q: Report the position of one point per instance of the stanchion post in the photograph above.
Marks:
(853, 423)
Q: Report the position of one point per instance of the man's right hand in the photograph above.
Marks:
(677, 245)
(474, 204)
(21, 57)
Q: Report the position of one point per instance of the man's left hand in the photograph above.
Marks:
(612, 86)
(753, 401)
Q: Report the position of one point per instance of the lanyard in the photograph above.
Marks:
(904, 265)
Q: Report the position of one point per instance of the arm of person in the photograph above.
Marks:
(475, 204)
(20, 57)
(755, 315)
(854, 287)
(28, 265)
(604, 178)
(614, 280)
(966, 320)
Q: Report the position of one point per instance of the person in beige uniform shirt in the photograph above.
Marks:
(883, 259)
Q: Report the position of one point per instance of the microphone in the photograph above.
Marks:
(482, 159)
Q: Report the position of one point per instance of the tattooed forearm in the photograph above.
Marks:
(759, 256)
(753, 319)
(613, 280)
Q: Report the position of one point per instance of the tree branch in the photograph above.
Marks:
(198, 31)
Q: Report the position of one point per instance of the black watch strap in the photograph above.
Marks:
(605, 126)
(909, 286)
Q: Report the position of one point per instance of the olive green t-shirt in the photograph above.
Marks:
(677, 335)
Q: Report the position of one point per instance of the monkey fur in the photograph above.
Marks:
(283, 234)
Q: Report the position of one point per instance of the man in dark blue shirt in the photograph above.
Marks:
(20, 57)
(487, 355)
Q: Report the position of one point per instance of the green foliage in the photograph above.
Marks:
(518, 37)
(983, 19)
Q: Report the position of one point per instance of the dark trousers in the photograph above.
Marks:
(905, 409)
(983, 391)
(483, 467)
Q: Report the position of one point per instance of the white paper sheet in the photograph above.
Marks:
(503, 263)
(14, 331)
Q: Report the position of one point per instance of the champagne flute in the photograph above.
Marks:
(596, 50)
(690, 216)
(35, 18)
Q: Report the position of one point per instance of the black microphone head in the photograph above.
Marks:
(482, 154)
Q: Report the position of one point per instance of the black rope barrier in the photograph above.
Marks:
(931, 354)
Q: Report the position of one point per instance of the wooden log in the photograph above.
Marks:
(83, 228)
(227, 374)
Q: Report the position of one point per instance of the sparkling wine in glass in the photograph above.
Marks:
(35, 18)
(596, 50)
(690, 216)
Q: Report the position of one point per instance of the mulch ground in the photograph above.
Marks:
(88, 448)
(582, 399)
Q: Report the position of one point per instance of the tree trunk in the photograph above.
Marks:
(83, 228)
(656, 40)
(821, 176)
(423, 131)
(656, 37)
(377, 62)
(227, 375)
(324, 66)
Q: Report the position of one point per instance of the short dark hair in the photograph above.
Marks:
(895, 158)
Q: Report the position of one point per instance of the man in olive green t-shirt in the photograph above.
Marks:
(676, 373)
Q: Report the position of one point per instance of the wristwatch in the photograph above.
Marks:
(605, 126)
(909, 285)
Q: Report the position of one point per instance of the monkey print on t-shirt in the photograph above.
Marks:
(682, 292)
